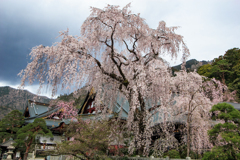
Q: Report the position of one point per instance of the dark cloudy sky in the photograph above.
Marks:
(209, 27)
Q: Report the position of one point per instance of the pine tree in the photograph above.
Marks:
(226, 135)
(26, 135)
(10, 124)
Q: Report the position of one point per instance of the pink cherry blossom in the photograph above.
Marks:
(119, 55)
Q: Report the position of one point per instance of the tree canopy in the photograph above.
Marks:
(26, 135)
(89, 138)
(225, 68)
(10, 124)
(205, 70)
(226, 135)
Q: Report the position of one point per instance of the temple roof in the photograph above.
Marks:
(38, 110)
(42, 110)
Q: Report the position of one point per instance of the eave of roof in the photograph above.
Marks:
(38, 103)
(44, 114)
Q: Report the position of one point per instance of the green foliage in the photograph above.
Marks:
(10, 124)
(225, 68)
(225, 136)
(124, 158)
(183, 153)
(220, 153)
(123, 151)
(174, 70)
(227, 113)
(29, 132)
(3, 132)
(26, 135)
(44, 153)
(191, 65)
(91, 138)
(234, 84)
(205, 70)
(66, 97)
(172, 154)
(221, 70)
(232, 56)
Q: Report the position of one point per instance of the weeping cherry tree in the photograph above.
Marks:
(118, 54)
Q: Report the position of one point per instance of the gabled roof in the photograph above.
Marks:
(34, 109)
(42, 110)
(44, 114)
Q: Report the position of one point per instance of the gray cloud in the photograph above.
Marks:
(23, 26)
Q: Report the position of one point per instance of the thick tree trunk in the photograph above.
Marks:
(188, 136)
(26, 153)
(27, 149)
(223, 79)
(142, 125)
(141, 133)
(137, 117)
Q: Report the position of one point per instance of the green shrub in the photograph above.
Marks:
(220, 153)
(172, 154)
(183, 153)
(123, 151)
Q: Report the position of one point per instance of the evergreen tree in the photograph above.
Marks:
(26, 135)
(89, 138)
(205, 70)
(221, 70)
(10, 124)
(225, 136)
(225, 68)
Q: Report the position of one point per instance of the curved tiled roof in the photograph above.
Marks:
(42, 110)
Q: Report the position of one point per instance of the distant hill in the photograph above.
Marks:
(11, 99)
(191, 65)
